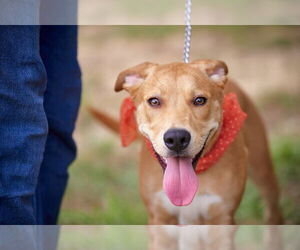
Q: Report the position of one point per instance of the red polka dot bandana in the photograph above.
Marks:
(233, 120)
(128, 128)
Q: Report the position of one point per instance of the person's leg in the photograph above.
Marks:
(59, 53)
(23, 124)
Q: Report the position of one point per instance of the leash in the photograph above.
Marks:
(188, 31)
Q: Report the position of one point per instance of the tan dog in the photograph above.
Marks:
(179, 109)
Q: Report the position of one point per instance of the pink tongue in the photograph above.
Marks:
(180, 181)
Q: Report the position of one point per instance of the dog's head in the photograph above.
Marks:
(179, 109)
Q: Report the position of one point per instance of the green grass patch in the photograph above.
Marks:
(106, 191)
(103, 237)
(286, 158)
(286, 155)
(290, 102)
(103, 191)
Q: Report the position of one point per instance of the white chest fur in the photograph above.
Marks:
(189, 214)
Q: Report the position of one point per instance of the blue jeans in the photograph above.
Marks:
(40, 91)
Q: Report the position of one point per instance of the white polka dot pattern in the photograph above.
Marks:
(233, 120)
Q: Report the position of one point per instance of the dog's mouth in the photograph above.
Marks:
(180, 181)
(163, 161)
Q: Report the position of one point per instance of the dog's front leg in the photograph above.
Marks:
(220, 237)
(192, 237)
(217, 216)
(161, 217)
(163, 237)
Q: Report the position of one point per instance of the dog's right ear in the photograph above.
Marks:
(216, 70)
(133, 77)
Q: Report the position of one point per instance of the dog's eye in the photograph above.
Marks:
(154, 102)
(199, 101)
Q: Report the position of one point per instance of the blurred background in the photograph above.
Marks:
(149, 12)
(103, 184)
(170, 12)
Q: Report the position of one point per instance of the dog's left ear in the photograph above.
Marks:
(132, 77)
(216, 70)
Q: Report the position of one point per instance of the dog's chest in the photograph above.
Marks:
(198, 209)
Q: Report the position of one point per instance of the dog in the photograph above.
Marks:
(179, 112)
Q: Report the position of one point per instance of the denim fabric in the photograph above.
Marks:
(59, 53)
(38, 12)
(23, 123)
(33, 162)
(20, 12)
(31, 237)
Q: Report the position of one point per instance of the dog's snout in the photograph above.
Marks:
(177, 139)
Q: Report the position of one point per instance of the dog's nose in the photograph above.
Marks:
(177, 139)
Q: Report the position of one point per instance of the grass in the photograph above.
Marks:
(286, 156)
(107, 190)
(113, 198)
(289, 102)
(105, 237)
